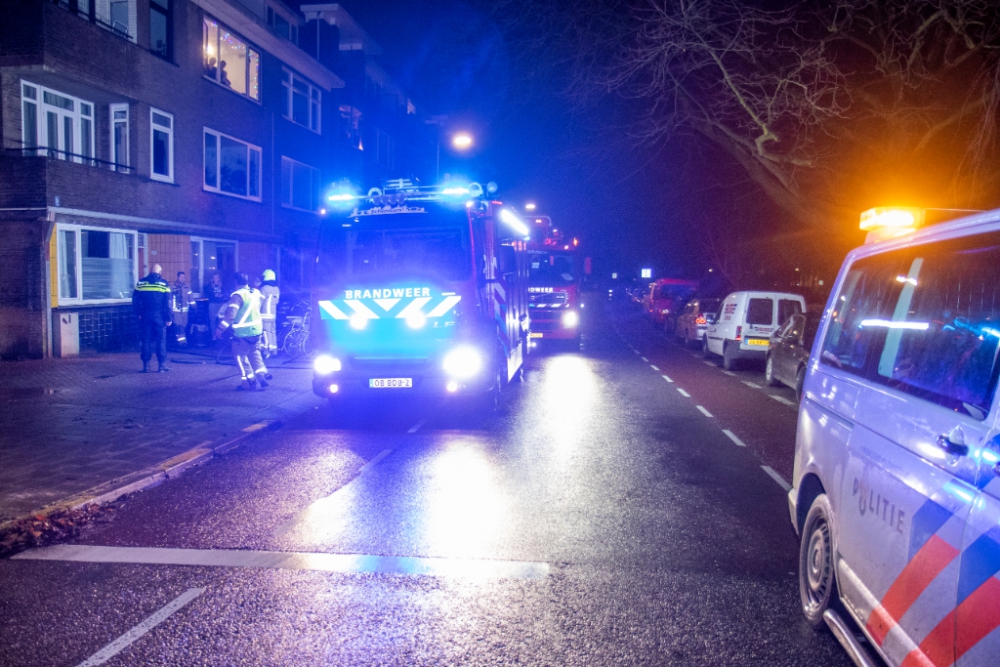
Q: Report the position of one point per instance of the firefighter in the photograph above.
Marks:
(268, 311)
(151, 301)
(180, 303)
(241, 318)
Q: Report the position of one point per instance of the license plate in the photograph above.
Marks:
(535, 335)
(390, 383)
(763, 342)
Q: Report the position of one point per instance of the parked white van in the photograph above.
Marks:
(743, 326)
(896, 484)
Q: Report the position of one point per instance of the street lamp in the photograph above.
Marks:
(461, 141)
(529, 206)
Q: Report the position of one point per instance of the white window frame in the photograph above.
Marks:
(77, 230)
(314, 100)
(125, 167)
(77, 118)
(103, 13)
(202, 278)
(153, 128)
(217, 188)
(291, 185)
(212, 51)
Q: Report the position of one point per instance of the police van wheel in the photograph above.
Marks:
(817, 579)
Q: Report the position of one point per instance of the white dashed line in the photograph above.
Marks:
(709, 363)
(654, 367)
(683, 393)
(644, 359)
(416, 427)
(666, 378)
(381, 455)
(777, 478)
(730, 373)
(752, 385)
(115, 647)
(782, 399)
(704, 411)
(732, 436)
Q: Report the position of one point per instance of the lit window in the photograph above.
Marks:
(299, 185)
(230, 61)
(95, 265)
(232, 166)
(161, 151)
(302, 101)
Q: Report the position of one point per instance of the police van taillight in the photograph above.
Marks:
(739, 333)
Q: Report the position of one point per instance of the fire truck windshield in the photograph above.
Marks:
(552, 269)
(397, 245)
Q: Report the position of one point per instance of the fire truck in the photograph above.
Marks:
(554, 298)
(420, 290)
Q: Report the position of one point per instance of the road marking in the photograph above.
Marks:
(704, 411)
(381, 455)
(752, 385)
(666, 378)
(732, 436)
(290, 560)
(654, 367)
(644, 359)
(777, 478)
(782, 399)
(709, 363)
(416, 427)
(142, 628)
(730, 373)
(683, 393)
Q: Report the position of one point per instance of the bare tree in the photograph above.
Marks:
(827, 109)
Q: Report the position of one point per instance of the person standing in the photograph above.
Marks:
(268, 311)
(241, 318)
(180, 304)
(216, 296)
(151, 301)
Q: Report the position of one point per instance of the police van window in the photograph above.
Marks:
(787, 308)
(924, 321)
(760, 311)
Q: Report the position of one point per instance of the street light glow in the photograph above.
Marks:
(529, 207)
(461, 141)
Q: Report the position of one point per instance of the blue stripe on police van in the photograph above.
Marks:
(979, 562)
(926, 522)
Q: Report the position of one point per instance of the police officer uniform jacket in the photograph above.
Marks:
(151, 299)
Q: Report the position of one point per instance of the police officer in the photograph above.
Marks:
(241, 317)
(268, 311)
(151, 301)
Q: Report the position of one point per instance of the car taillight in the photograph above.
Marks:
(739, 333)
(701, 320)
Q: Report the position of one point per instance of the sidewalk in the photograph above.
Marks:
(67, 425)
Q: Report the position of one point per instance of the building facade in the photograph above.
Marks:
(194, 134)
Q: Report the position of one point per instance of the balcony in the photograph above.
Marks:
(113, 16)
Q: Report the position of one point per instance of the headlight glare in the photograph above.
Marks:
(324, 364)
(462, 362)
(570, 319)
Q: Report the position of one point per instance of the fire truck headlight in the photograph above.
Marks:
(416, 320)
(570, 319)
(324, 364)
(462, 362)
(358, 321)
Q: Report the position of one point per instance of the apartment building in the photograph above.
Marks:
(194, 134)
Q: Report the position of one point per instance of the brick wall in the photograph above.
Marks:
(255, 257)
(172, 252)
(23, 328)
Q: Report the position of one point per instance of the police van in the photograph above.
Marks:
(896, 485)
(420, 290)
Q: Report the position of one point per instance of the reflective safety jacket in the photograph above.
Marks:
(151, 299)
(242, 313)
(272, 293)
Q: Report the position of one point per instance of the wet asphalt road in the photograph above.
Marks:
(601, 518)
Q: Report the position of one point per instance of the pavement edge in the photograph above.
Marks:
(149, 477)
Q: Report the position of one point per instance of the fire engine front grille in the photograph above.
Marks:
(381, 365)
(548, 299)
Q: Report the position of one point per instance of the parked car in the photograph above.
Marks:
(896, 480)
(693, 320)
(665, 299)
(743, 326)
(788, 353)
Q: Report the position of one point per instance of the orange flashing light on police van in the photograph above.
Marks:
(886, 222)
